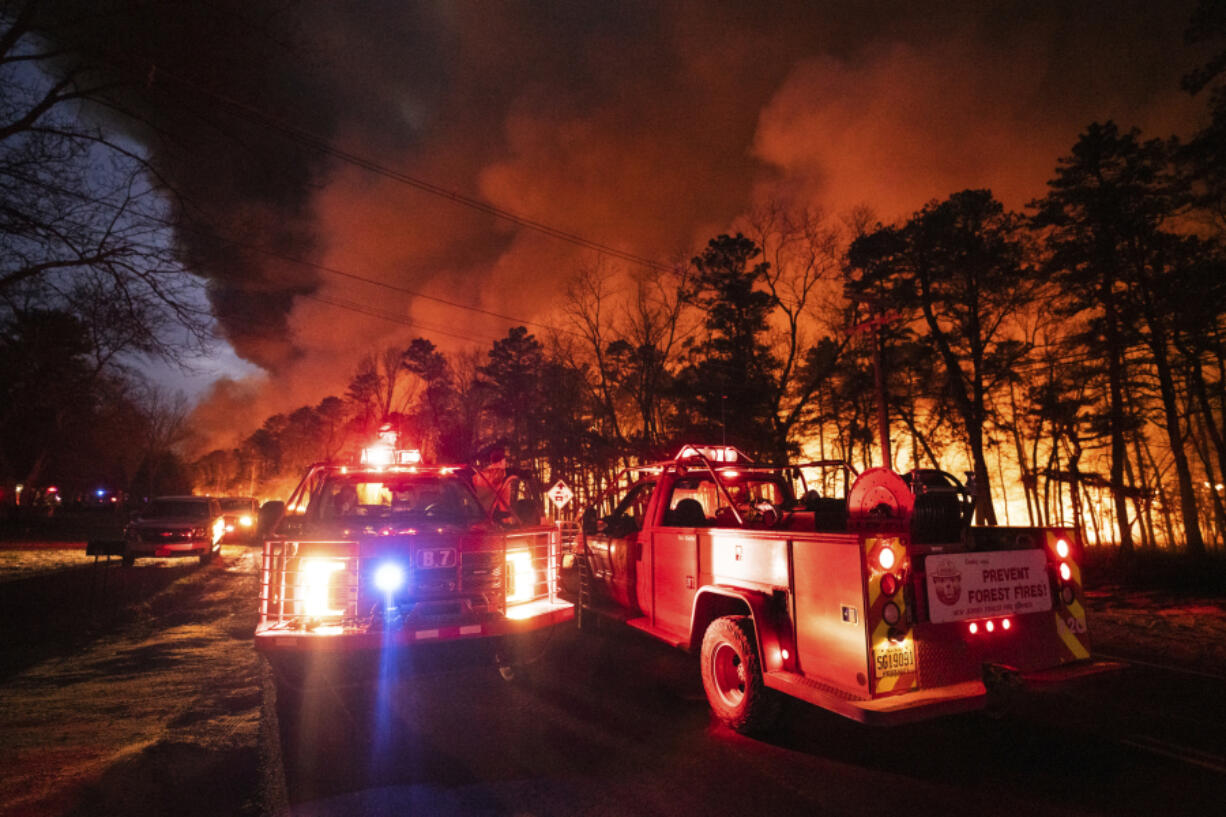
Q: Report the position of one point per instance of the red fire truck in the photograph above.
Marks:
(869, 595)
(389, 554)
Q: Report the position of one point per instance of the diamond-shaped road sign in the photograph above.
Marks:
(561, 494)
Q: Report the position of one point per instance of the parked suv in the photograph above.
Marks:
(176, 526)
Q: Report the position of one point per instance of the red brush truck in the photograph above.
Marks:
(389, 554)
(880, 603)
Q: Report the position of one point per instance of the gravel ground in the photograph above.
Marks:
(1185, 630)
(152, 709)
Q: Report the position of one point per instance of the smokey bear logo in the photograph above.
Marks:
(947, 581)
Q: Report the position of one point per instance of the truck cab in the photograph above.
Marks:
(867, 594)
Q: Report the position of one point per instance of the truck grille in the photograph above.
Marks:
(432, 581)
(164, 537)
(481, 571)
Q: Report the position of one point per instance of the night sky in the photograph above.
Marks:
(649, 127)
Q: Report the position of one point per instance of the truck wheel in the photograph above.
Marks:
(732, 676)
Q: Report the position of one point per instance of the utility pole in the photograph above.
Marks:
(723, 417)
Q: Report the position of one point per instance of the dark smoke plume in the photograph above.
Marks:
(642, 125)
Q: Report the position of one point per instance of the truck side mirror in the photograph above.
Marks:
(271, 512)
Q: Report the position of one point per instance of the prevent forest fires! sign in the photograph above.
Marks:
(981, 585)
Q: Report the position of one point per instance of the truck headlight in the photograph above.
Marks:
(521, 577)
(315, 580)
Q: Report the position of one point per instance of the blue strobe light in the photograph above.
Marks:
(389, 577)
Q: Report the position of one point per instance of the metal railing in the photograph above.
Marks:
(285, 582)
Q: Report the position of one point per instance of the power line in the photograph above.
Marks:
(364, 309)
(304, 137)
(210, 234)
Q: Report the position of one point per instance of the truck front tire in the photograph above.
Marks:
(732, 676)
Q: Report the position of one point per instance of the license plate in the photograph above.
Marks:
(894, 659)
(435, 557)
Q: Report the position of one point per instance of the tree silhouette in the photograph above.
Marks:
(1104, 215)
(728, 383)
(960, 265)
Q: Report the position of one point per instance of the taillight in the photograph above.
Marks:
(1064, 571)
(988, 626)
(886, 558)
(889, 584)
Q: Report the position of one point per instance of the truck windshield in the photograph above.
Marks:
(745, 490)
(397, 498)
(177, 508)
(237, 504)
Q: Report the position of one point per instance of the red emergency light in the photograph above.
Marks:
(378, 456)
(383, 456)
(712, 453)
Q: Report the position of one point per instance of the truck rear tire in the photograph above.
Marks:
(732, 676)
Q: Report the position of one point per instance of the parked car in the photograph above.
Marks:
(241, 514)
(172, 526)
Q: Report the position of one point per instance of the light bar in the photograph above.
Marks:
(714, 453)
(378, 456)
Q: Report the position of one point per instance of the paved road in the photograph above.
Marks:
(612, 723)
(160, 706)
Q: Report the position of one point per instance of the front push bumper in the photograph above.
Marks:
(290, 639)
